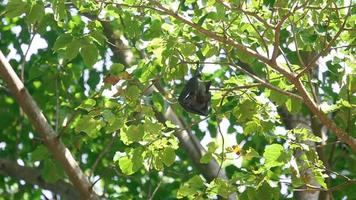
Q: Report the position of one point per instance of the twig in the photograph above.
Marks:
(24, 58)
(155, 190)
(222, 149)
(238, 87)
(265, 83)
(102, 154)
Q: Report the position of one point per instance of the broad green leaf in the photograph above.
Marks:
(212, 146)
(108, 116)
(222, 188)
(191, 187)
(89, 54)
(72, 49)
(88, 104)
(132, 162)
(133, 133)
(62, 41)
(89, 125)
(153, 31)
(59, 8)
(252, 127)
(251, 153)
(52, 171)
(115, 125)
(37, 71)
(206, 158)
(158, 101)
(303, 134)
(277, 97)
(157, 163)
(244, 57)
(168, 156)
(137, 158)
(37, 12)
(320, 179)
(152, 128)
(187, 2)
(125, 165)
(116, 68)
(98, 37)
(272, 155)
(114, 122)
(40, 153)
(293, 105)
(209, 50)
(133, 92)
(187, 49)
(15, 8)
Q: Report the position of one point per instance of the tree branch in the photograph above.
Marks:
(49, 137)
(341, 134)
(33, 176)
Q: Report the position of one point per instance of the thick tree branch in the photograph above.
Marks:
(33, 176)
(49, 137)
(341, 134)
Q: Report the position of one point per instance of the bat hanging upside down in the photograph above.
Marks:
(195, 96)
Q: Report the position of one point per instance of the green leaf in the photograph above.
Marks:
(98, 37)
(293, 105)
(88, 104)
(187, 2)
(116, 68)
(89, 125)
(133, 92)
(320, 179)
(252, 127)
(108, 116)
(62, 41)
(59, 9)
(168, 156)
(37, 71)
(277, 97)
(132, 162)
(40, 153)
(125, 165)
(209, 50)
(115, 125)
(114, 122)
(187, 49)
(133, 133)
(246, 58)
(152, 128)
(251, 153)
(221, 187)
(72, 50)
(36, 13)
(272, 155)
(89, 54)
(191, 187)
(212, 146)
(52, 171)
(206, 158)
(15, 8)
(303, 134)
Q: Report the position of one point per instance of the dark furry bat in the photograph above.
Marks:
(195, 96)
